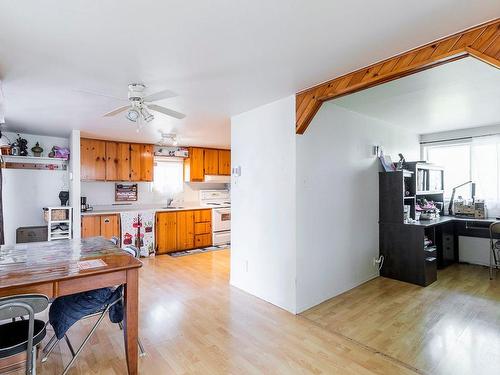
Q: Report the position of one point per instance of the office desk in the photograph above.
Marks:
(52, 268)
(406, 257)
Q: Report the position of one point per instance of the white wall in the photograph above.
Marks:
(263, 248)
(26, 192)
(337, 200)
(74, 191)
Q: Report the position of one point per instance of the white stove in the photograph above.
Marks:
(220, 202)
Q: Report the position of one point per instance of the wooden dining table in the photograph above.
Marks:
(63, 267)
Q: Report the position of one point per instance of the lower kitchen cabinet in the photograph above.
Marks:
(203, 240)
(166, 232)
(183, 230)
(107, 226)
(91, 226)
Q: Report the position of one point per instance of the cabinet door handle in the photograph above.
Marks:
(106, 221)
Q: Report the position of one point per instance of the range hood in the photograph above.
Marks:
(217, 179)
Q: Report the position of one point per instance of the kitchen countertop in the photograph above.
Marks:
(116, 209)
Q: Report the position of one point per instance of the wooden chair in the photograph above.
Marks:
(23, 335)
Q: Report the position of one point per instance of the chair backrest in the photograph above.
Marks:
(495, 231)
(12, 306)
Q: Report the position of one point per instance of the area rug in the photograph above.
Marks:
(198, 251)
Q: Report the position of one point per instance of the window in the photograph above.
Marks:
(455, 159)
(477, 160)
(168, 177)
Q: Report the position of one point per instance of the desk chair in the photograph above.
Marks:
(494, 247)
(23, 335)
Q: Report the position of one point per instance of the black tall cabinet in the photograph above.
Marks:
(411, 250)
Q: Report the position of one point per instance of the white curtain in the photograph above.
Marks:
(168, 177)
(485, 164)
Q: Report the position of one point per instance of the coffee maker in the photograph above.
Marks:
(84, 206)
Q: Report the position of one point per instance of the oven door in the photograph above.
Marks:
(221, 219)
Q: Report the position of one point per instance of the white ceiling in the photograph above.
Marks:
(222, 57)
(461, 94)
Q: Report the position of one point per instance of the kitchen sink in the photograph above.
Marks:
(172, 208)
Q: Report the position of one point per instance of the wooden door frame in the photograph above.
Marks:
(481, 42)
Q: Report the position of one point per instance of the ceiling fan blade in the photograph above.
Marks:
(166, 111)
(116, 111)
(164, 94)
(89, 92)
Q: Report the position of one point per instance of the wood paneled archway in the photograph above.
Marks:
(481, 42)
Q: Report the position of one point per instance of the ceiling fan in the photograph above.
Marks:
(140, 105)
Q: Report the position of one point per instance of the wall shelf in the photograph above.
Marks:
(33, 162)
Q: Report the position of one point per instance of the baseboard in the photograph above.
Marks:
(335, 294)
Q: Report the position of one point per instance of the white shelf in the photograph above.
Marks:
(33, 159)
(57, 234)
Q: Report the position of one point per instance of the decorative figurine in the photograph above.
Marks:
(37, 150)
(64, 197)
(23, 146)
(401, 162)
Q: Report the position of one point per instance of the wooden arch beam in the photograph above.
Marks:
(481, 42)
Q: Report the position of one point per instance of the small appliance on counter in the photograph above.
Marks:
(84, 206)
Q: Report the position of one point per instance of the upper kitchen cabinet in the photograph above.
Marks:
(135, 161)
(206, 162)
(147, 156)
(193, 165)
(211, 161)
(225, 162)
(117, 161)
(93, 159)
(141, 162)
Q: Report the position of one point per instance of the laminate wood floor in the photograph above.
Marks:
(193, 322)
(450, 327)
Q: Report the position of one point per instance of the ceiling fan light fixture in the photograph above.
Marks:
(146, 115)
(133, 115)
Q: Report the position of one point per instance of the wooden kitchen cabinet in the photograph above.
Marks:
(107, 226)
(211, 161)
(166, 232)
(91, 226)
(193, 165)
(203, 240)
(147, 156)
(185, 230)
(225, 162)
(201, 216)
(110, 226)
(93, 159)
(202, 228)
(117, 161)
(135, 161)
